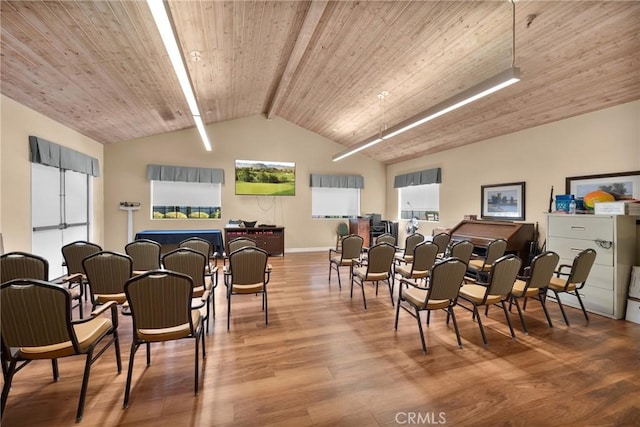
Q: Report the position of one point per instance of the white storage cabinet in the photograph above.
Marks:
(613, 237)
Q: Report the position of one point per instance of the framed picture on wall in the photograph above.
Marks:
(622, 185)
(503, 201)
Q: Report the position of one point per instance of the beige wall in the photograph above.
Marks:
(604, 141)
(251, 138)
(18, 122)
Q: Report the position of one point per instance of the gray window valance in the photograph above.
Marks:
(51, 154)
(336, 181)
(185, 174)
(428, 176)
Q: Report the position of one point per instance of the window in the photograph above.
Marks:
(329, 202)
(420, 201)
(185, 200)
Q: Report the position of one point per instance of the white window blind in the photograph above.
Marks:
(335, 202)
(420, 201)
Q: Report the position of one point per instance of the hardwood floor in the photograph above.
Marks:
(324, 360)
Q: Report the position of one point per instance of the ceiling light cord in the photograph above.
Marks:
(513, 33)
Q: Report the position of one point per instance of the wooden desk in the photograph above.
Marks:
(271, 239)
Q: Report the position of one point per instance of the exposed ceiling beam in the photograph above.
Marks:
(316, 9)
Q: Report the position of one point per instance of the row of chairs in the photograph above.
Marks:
(435, 278)
(36, 314)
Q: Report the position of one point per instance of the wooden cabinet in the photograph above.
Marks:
(271, 239)
(613, 237)
(361, 227)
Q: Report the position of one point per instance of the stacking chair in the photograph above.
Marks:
(351, 251)
(496, 290)
(342, 231)
(205, 247)
(406, 254)
(445, 279)
(249, 273)
(22, 265)
(30, 332)
(478, 268)
(73, 254)
(194, 264)
(145, 254)
(377, 269)
(534, 283)
(107, 273)
(442, 240)
(424, 256)
(241, 242)
(161, 310)
(571, 278)
(386, 238)
(462, 250)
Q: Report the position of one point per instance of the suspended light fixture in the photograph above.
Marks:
(489, 86)
(163, 23)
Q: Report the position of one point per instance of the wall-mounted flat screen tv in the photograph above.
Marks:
(265, 178)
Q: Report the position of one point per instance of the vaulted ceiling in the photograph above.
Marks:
(99, 67)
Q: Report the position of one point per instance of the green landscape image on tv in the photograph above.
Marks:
(264, 178)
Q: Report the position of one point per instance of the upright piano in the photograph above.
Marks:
(517, 234)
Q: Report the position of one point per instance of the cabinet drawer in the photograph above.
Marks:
(601, 276)
(569, 248)
(595, 300)
(581, 227)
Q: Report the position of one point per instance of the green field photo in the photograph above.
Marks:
(265, 178)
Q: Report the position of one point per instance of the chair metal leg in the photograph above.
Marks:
(266, 307)
(54, 368)
(524, 325)
(390, 293)
(127, 389)
(506, 314)
(11, 370)
(364, 298)
(83, 390)
(228, 310)
(424, 345)
(195, 377)
(564, 315)
(584, 311)
(541, 298)
(398, 310)
(455, 325)
(428, 316)
(477, 315)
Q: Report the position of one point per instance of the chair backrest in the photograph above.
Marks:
(503, 275)
(386, 238)
(197, 244)
(75, 252)
(248, 265)
(352, 246)
(380, 258)
(159, 299)
(495, 250)
(342, 229)
(541, 270)
(462, 250)
(411, 242)
(21, 265)
(145, 254)
(581, 267)
(187, 261)
(424, 256)
(107, 272)
(445, 279)
(442, 240)
(34, 313)
(240, 243)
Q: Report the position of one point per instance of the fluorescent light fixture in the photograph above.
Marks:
(495, 83)
(161, 18)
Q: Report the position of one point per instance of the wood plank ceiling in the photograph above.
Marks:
(99, 67)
